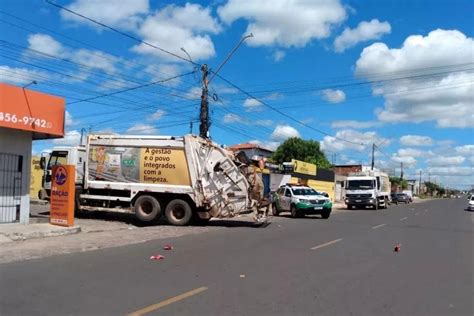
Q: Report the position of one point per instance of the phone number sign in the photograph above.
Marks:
(62, 195)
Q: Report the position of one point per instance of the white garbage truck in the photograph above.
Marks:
(183, 178)
(367, 188)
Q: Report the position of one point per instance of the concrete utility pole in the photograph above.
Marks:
(191, 127)
(419, 185)
(204, 114)
(401, 170)
(373, 153)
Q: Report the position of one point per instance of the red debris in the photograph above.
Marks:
(168, 247)
(157, 257)
(397, 247)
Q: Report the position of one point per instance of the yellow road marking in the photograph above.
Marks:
(169, 301)
(403, 218)
(326, 244)
(378, 226)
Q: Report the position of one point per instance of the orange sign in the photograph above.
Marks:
(62, 195)
(33, 111)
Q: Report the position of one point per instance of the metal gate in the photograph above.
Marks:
(10, 187)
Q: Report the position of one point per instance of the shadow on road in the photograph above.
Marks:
(236, 223)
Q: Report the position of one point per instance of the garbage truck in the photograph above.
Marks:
(367, 188)
(181, 178)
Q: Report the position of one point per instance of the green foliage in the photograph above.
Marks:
(399, 182)
(300, 149)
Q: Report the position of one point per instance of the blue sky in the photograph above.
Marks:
(395, 73)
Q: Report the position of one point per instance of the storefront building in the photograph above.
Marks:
(25, 116)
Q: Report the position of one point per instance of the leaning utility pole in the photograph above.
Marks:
(373, 153)
(204, 114)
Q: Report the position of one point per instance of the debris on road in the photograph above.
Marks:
(157, 257)
(397, 248)
(242, 275)
(168, 247)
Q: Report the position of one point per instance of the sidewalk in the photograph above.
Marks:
(16, 232)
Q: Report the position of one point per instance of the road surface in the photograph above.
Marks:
(345, 265)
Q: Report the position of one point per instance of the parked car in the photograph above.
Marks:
(300, 201)
(470, 204)
(400, 198)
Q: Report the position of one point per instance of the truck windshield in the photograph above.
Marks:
(304, 192)
(57, 158)
(360, 184)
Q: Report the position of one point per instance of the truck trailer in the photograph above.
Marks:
(181, 178)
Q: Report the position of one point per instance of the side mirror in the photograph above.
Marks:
(42, 163)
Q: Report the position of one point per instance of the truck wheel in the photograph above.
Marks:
(326, 214)
(178, 212)
(275, 211)
(376, 205)
(77, 201)
(349, 206)
(147, 208)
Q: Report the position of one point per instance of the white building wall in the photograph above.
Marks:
(19, 142)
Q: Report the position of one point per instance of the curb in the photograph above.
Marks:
(17, 236)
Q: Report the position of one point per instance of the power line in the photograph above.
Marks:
(283, 113)
(121, 33)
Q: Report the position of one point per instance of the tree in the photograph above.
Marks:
(396, 181)
(300, 149)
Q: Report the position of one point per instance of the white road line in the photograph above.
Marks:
(378, 226)
(326, 244)
(403, 218)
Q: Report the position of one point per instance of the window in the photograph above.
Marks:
(57, 158)
(288, 192)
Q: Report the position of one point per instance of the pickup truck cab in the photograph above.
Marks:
(300, 201)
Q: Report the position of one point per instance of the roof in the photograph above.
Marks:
(249, 146)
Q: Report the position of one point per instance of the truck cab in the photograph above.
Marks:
(365, 190)
(61, 155)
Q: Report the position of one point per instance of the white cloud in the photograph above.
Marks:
(354, 124)
(359, 141)
(69, 120)
(263, 122)
(252, 104)
(71, 138)
(90, 58)
(445, 98)
(45, 44)
(266, 144)
(452, 171)
(407, 161)
(284, 23)
(443, 161)
(20, 76)
(194, 93)
(164, 71)
(121, 13)
(233, 118)
(282, 132)
(334, 96)
(416, 140)
(365, 31)
(174, 27)
(279, 55)
(465, 150)
(157, 115)
(412, 152)
(141, 128)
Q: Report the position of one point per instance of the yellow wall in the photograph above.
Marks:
(326, 186)
(36, 174)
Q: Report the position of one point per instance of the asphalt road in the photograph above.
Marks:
(342, 266)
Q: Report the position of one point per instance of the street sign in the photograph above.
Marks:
(303, 167)
(62, 195)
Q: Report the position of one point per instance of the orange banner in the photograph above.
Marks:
(62, 195)
(31, 111)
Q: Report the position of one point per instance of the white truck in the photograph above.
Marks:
(183, 178)
(367, 188)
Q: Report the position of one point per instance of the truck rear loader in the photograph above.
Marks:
(183, 178)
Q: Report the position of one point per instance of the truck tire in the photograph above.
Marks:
(77, 201)
(147, 208)
(178, 212)
(349, 206)
(376, 206)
